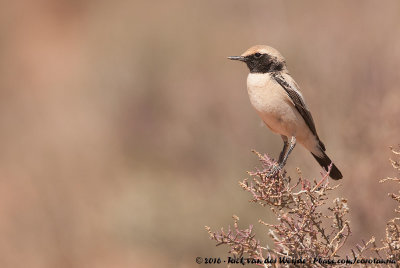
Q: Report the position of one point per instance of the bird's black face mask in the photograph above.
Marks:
(262, 63)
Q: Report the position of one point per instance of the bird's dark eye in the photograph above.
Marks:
(257, 55)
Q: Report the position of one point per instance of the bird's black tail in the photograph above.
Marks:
(324, 161)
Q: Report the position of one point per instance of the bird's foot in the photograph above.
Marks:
(275, 170)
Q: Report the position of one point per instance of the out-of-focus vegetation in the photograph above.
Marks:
(124, 127)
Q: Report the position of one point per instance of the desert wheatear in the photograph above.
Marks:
(277, 99)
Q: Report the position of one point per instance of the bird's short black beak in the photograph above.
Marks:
(241, 58)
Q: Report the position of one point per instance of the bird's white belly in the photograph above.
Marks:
(273, 105)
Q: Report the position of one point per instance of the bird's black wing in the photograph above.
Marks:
(298, 103)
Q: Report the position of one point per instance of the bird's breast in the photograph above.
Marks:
(273, 104)
(265, 94)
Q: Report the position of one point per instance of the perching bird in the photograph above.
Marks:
(277, 99)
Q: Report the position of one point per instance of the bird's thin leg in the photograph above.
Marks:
(291, 147)
(285, 146)
(280, 165)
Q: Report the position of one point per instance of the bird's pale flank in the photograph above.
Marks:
(277, 99)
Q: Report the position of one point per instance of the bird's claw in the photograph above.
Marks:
(275, 169)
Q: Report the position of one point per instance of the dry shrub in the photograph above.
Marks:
(391, 242)
(307, 234)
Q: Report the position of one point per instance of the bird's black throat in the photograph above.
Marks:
(263, 64)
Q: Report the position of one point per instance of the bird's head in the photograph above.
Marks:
(262, 59)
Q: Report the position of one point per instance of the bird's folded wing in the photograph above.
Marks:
(293, 92)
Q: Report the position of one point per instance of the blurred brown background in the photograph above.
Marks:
(124, 129)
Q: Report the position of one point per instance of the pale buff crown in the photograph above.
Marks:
(264, 50)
